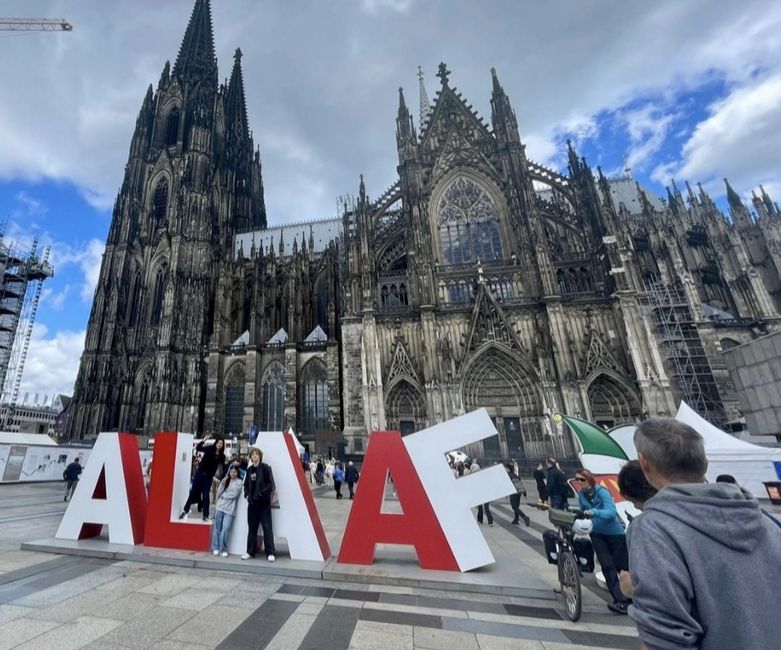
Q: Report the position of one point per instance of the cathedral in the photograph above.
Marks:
(478, 279)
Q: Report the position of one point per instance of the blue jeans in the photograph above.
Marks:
(558, 502)
(221, 530)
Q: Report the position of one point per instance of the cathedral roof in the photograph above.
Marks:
(623, 190)
(322, 233)
(317, 335)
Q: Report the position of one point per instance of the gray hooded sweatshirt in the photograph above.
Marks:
(706, 567)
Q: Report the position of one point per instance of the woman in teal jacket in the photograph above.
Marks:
(607, 537)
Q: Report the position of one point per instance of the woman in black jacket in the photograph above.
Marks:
(211, 463)
(259, 489)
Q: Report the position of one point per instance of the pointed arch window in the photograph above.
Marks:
(160, 202)
(159, 295)
(468, 224)
(314, 398)
(321, 302)
(273, 398)
(234, 402)
(134, 305)
(172, 127)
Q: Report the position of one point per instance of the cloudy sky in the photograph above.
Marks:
(689, 90)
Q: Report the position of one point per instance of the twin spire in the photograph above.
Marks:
(235, 102)
(196, 57)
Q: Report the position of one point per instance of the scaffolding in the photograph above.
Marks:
(682, 348)
(22, 273)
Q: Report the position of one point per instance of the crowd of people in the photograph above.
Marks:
(697, 552)
(217, 479)
(697, 567)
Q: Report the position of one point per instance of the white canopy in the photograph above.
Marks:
(13, 438)
(750, 464)
(721, 443)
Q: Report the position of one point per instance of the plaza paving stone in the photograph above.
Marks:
(86, 602)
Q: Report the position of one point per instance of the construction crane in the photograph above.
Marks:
(35, 25)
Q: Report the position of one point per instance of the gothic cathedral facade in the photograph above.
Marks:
(478, 279)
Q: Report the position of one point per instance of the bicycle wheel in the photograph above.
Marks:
(569, 576)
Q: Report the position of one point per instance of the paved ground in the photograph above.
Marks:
(51, 601)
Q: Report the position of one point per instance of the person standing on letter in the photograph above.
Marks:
(259, 491)
(212, 461)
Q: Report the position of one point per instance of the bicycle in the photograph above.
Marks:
(566, 561)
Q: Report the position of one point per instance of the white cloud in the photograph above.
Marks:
(740, 139)
(52, 362)
(32, 205)
(87, 257)
(327, 72)
(647, 127)
(373, 6)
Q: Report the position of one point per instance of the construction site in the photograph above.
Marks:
(22, 272)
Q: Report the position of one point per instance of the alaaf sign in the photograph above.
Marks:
(435, 518)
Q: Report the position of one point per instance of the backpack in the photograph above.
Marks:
(519, 489)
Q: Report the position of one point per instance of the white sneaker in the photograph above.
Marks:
(215, 552)
(271, 558)
(225, 554)
(246, 556)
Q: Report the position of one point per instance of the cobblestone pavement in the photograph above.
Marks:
(51, 601)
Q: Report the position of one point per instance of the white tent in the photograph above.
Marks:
(750, 464)
(13, 438)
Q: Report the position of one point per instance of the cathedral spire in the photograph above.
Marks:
(235, 102)
(737, 210)
(425, 106)
(196, 54)
(443, 73)
(502, 114)
(764, 204)
(405, 129)
(732, 196)
(362, 193)
(572, 157)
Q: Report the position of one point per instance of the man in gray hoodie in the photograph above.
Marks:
(705, 562)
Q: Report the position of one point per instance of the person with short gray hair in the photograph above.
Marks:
(702, 557)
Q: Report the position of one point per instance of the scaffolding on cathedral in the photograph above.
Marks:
(22, 273)
(682, 349)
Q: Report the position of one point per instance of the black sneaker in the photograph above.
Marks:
(618, 608)
(527, 521)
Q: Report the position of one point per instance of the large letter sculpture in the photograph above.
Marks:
(110, 492)
(296, 519)
(451, 497)
(437, 518)
(172, 463)
(368, 526)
